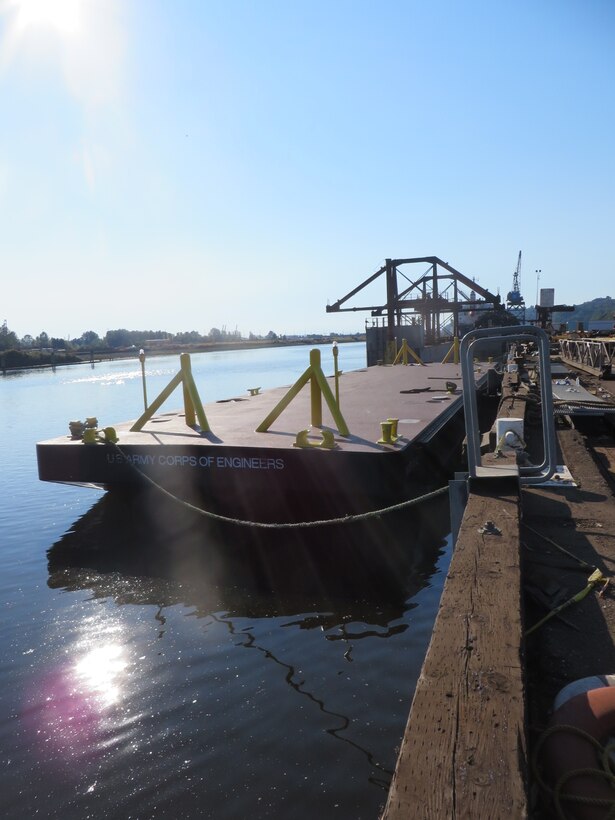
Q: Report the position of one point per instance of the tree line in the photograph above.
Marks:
(120, 338)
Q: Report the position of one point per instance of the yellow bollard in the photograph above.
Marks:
(387, 430)
(90, 435)
(394, 423)
(76, 428)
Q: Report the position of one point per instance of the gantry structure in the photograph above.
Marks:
(436, 298)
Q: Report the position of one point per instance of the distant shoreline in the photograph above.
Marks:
(94, 356)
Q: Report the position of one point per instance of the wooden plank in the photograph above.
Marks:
(464, 751)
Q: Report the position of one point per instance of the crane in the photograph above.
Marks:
(515, 303)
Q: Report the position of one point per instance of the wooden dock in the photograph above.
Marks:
(463, 749)
(485, 691)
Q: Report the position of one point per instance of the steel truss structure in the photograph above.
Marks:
(440, 292)
(592, 355)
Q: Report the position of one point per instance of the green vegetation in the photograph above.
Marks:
(601, 309)
(43, 350)
(17, 359)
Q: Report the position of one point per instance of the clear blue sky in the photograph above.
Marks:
(189, 164)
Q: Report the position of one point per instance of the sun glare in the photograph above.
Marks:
(99, 670)
(61, 16)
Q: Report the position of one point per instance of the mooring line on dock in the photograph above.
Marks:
(603, 773)
(282, 525)
(580, 561)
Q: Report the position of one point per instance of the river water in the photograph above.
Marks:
(144, 675)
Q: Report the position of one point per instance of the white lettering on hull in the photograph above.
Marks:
(207, 462)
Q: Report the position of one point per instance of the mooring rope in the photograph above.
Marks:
(288, 525)
(605, 773)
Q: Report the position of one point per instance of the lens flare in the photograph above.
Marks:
(61, 16)
(71, 707)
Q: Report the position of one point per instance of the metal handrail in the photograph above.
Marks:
(536, 474)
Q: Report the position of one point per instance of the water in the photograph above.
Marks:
(148, 677)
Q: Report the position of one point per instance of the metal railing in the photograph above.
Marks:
(594, 355)
(471, 342)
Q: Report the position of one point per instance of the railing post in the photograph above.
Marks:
(142, 360)
(315, 393)
(318, 388)
(192, 400)
(184, 360)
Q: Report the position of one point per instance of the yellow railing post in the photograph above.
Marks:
(319, 388)
(315, 392)
(454, 349)
(403, 354)
(192, 400)
(195, 404)
(390, 352)
(188, 405)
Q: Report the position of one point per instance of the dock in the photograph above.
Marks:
(487, 686)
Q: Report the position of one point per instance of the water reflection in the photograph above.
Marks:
(277, 666)
(70, 701)
(298, 684)
(99, 670)
(120, 549)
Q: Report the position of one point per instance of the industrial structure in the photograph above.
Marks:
(515, 303)
(438, 305)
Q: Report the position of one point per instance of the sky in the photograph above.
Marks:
(200, 163)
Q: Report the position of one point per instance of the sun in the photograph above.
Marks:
(82, 41)
(60, 16)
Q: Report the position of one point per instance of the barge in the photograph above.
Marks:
(326, 447)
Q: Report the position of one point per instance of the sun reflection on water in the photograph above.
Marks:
(72, 707)
(99, 672)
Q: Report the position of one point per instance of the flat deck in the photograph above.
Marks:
(573, 399)
(233, 466)
(367, 397)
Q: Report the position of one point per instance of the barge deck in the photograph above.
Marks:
(292, 461)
